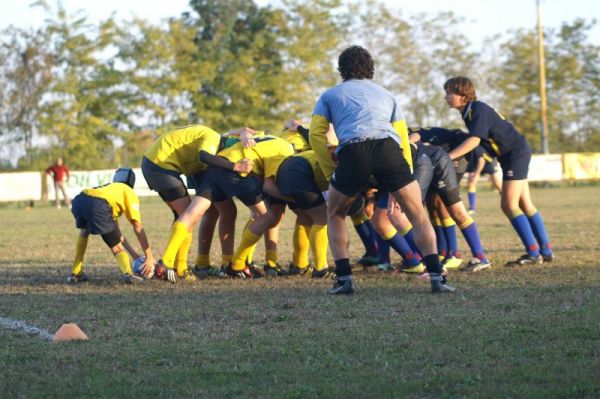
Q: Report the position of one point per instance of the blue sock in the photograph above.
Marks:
(368, 237)
(523, 228)
(410, 239)
(539, 231)
(442, 245)
(384, 250)
(472, 200)
(451, 240)
(472, 238)
(401, 246)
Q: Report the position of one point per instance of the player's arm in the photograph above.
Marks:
(143, 240)
(465, 147)
(414, 138)
(271, 188)
(246, 136)
(241, 166)
(402, 131)
(319, 125)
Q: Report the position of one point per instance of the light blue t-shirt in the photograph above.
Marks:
(359, 110)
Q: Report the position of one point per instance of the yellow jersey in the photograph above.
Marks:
(178, 149)
(121, 198)
(267, 155)
(320, 179)
(295, 139)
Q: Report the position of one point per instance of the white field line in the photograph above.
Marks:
(18, 325)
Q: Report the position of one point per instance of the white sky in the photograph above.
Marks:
(482, 17)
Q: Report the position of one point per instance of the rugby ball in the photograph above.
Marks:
(137, 267)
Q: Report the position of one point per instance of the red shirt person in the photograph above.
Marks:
(60, 174)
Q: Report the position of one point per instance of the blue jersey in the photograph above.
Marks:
(359, 110)
(497, 136)
(448, 139)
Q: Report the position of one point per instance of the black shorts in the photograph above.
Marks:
(515, 166)
(219, 184)
(380, 158)
(160, 179)
(423, 171)
(93, 214)
(295, 178)
(444, 182)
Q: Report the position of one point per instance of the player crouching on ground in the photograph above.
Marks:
(96, 211)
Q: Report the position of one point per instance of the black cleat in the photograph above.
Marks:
(299, 271)
(548, 258)
(77, 278)
(274, 271)
(441, 287)
(247, 272)
(323, 273)
(526, 260)
(342, 288)
(208, 271)
(132, 279)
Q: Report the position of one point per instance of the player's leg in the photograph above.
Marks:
(227, 217)
(250, 236)
(77, 274)
(472, 180)
(383, 226)
(301, 242)
(537, 223)
(271, 266)
(469, 230)
(206, 231)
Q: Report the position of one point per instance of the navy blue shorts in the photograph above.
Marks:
(515, 166)
(93, 214)
(445, 182)
(490, 168)
(219, 184)
(160, 179)
(296, 179)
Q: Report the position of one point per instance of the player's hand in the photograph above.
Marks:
(243, 166)
(247, 137)
(147, 266)
(171, 275)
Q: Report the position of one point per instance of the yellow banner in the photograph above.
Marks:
(581, 166)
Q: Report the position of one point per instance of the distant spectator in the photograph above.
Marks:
(60, 175)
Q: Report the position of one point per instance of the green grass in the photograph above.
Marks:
(530, 332)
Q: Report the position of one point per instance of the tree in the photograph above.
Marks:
(25, 76)
(573, 81)
(414, 57)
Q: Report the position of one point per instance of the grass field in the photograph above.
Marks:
(531, 332)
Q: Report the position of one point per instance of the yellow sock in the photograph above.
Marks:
(203, 260)
(250, 255)
(448, 222)
(389, 234)
(359, 219)
(179, 233)
(301, 245)
(123, 262)
(271, 257)
(182, 255)
(80, 248)
(318, 245)
(249, 240)
(225, 259)
(406, 230)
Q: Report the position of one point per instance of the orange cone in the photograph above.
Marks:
(69, 332)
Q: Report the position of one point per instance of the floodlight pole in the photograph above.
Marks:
(544, 105)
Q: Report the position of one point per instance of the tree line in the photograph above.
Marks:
(99, 93)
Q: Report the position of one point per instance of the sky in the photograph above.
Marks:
(482, 17)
